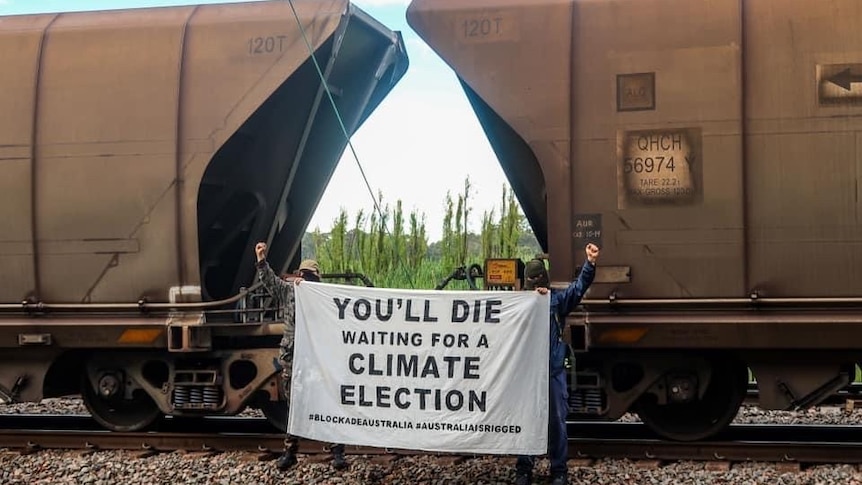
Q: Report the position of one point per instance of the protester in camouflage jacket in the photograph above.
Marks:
(282, 292)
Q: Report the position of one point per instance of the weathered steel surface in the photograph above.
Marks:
(150, 148)
(712, 148)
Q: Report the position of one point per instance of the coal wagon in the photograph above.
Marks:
(143, 154)
(713, 150)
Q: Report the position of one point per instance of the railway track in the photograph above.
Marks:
(36, 432)
(790, 444)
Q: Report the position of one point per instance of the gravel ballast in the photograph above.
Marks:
(104, 468)
(109, 467)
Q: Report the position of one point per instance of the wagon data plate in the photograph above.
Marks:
(659, 167)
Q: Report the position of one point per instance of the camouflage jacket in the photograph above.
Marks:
(283, 294)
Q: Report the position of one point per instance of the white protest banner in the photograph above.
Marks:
(448, 371)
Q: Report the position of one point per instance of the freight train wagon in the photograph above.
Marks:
(142, 154)
(714, 151)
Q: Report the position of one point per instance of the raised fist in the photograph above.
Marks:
(592, 253)
(260, 251)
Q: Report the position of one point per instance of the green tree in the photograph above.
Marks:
(402, 257)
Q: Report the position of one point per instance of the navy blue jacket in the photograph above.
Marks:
(562, 303)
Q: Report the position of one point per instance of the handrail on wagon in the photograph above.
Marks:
(142, 306)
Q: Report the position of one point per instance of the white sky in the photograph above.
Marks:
(422, 141)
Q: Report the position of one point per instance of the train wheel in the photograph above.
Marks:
(701, 418)
(275, 412)
(111, 409)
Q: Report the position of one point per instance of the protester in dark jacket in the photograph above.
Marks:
(562, 303)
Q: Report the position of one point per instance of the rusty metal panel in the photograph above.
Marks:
(657, 146)
(715, 147)
(131, 105)
(643, 141)
(803, 68)
(16, 247)
(106, 138)
(106, 151)
(497, 47)
(515, 56)
(20, 41)
(248, 50)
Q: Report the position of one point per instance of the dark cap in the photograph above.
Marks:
(534, 268)
(309, 265)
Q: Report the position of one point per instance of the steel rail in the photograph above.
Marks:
(798, 444)
(725, 451)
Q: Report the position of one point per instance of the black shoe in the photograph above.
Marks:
(338, 461)
(285, 461)
(559, 480)
(523, 479)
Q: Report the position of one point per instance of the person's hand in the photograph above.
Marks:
(260, 251)
(592, 253)
(297, 281)
(542, 290)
